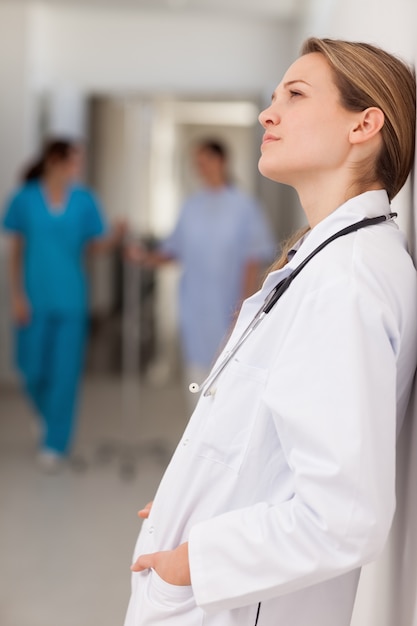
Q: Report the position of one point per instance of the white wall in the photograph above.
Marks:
(388, 588)
(14, 69)
(14, 135)
(123, 50)
(69, 52)
(388, 23)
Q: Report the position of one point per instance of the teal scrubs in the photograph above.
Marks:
(50, 349)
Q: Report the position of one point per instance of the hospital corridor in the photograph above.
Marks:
(67, 538)
(135, 219)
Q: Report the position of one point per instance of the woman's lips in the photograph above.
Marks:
(268, 138)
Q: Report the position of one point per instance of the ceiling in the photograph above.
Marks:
(274, 9)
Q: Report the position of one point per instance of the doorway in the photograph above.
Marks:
(139, 165)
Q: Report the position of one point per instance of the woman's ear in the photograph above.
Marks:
(368, 125)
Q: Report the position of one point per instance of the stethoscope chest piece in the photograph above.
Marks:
(196, 388)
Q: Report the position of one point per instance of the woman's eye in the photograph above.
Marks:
(294, 93)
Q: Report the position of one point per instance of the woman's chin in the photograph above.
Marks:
(269, 170)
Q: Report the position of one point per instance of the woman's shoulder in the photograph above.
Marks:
(242, 198)
(24, 192)
(19, 205)
(81, 190)
(368, 262)
(84, 195)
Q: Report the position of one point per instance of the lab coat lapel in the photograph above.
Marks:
(369, 204)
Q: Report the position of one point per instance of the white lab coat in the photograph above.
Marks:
(283, 482)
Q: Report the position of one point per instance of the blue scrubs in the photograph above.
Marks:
(217, 234)
(50, 349)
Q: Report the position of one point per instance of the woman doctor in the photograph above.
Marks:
(282, 486)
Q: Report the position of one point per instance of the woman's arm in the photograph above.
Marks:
(109, 242)
(137, 253)
(331, 398)
(251, 278)
(20, 305)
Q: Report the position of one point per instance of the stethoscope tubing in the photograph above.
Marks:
(208, 384)
(209, 381)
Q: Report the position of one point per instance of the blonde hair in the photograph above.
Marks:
(367, 76)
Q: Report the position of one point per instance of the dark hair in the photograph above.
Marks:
(215, 147)
(54, 150)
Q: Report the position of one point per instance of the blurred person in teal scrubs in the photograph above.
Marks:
(53, 221)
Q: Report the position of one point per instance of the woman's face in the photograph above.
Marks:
(73, 165)
(210, 166)
(306, 127)
(69, 169)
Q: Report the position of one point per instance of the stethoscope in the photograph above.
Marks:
(207, 386)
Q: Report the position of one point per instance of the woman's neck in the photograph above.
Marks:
(320, 198)
(56, 190)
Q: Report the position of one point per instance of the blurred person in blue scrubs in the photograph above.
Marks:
(222, 241)
(52, 221)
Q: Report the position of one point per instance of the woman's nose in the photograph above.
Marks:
(268, 117)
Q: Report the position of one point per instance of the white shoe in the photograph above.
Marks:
(50, 461)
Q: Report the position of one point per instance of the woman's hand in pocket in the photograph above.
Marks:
(144, 513)
(171, 565)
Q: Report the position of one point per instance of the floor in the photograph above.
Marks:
(66, 539)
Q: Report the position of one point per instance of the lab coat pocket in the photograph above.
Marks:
(230, 421)
(171, 604)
